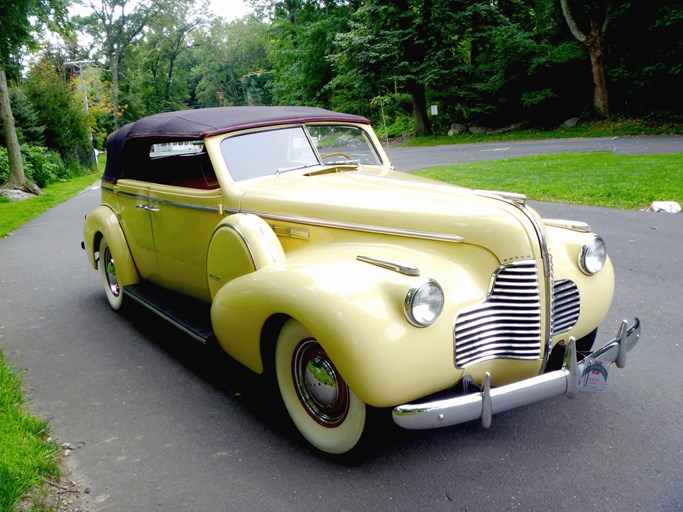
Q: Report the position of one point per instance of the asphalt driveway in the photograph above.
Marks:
(159, 423)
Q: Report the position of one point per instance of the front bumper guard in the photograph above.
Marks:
(590, 374)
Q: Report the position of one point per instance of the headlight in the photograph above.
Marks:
(424, 303)
(593, 256)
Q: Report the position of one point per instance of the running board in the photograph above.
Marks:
(191, 316)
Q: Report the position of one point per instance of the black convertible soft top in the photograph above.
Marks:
(197, 124)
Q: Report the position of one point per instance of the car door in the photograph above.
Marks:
(134, 212)
(184, 213)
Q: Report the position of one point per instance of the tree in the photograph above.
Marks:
(406, 45)
(162, 77)
(58, 109)
(598, 16)
(230, 57)
(117, 23)
(17, 19)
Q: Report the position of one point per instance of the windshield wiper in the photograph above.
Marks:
(280, 170)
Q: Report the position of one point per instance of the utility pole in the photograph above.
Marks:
(80, 64)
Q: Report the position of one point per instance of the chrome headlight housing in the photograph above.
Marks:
(593, 256)
(424, 303)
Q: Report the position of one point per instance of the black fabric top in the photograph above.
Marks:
(200, 123)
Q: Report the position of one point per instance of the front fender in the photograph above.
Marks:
(103, 223)
(356, 311)
(596, 291)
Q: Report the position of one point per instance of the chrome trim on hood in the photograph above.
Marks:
(425, 235)
(518, 203)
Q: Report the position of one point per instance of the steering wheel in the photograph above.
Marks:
(337, 153)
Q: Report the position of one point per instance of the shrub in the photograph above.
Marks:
(41, 165)
(4, 165)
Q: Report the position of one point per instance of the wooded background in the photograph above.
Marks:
(483, 63)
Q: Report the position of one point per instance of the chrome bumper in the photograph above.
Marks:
(590, 374)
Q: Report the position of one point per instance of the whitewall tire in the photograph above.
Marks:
(112, 289)
(322, 406)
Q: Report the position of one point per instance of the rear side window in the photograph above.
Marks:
(181, 164)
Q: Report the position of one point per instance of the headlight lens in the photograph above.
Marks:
(424, 303)
(593, 256)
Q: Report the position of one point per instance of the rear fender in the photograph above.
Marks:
(240, 244)
(102, 223)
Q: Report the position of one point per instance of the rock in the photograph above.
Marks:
(569, 123)
(457, 129)
(511, 127)
(15, 195)
(478, 130)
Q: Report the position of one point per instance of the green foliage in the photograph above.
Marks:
(41, 165)
(484, 63)
(303, 35)
(26, 119)
(231, 59)
(644, 64)
(392, 115)
(53, 98)
(24, 455)
(20, 19)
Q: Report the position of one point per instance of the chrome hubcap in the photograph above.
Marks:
(110, 271)
(321, 389)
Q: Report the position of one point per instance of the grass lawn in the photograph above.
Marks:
(25, 456)
(596, 179)
(15, 213)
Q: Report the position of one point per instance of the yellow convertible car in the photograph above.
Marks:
(284, 234)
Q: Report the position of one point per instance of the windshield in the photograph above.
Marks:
(263, 153)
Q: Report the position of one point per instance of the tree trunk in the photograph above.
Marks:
(115, 90)
(17, 179)
(595, 50)
(417, 91)
(595, 44)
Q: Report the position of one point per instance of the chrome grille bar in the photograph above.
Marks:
(507, 325)
(567, 306)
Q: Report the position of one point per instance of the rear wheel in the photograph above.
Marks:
(322, 406)
(112, 289)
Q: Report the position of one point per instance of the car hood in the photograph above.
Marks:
(396, 203)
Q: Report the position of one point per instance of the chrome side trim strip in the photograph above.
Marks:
(189, 206)
(179, 204)
(401, 268)
(425, 235)
(134, 196)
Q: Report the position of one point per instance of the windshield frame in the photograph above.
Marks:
(254, 171)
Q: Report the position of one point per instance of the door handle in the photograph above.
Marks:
(147, 207)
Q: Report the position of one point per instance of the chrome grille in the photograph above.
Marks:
(507, 325)
(567, 305)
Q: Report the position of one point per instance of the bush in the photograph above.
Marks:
(4, 165)
(41, 165)
(392, 115)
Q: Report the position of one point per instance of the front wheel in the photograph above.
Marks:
(322, 406)
(112, 289)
